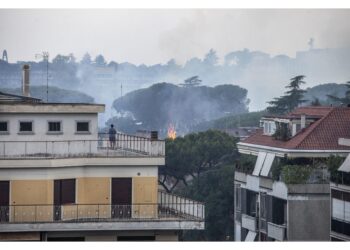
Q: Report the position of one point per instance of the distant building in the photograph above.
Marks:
(286, 195)
(60, 180)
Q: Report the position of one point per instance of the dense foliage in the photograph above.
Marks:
(200, 166)
(189, 156)
(295, 174)
(164, 103)
(215, 189)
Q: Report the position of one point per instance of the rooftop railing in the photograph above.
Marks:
(170, 207)
(124, 146)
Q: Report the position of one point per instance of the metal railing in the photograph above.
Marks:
(124, 146)
(97, 213)
(276, 231)
(181, 205)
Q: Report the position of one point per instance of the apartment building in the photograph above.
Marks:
(285, 195)
(61, 180)
(340, 199)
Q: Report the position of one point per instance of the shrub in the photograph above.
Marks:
(296, 174)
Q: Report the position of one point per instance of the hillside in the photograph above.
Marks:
(156, 107)
(321, 91)
(55, 94)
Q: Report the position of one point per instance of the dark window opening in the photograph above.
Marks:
(276, 210)
(136, 238)
(65, 239)
(82, 126)
(25, 126)
(3, 127)
(4, 201)
(251, 203)
(64, 191)
(340, 227)
(54, 126)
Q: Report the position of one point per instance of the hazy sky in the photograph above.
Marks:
(155, 36)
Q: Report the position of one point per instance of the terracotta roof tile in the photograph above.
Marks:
(323, 134)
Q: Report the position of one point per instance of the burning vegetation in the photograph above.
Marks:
(171, 131)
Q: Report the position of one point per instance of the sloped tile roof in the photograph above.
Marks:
(323, 134)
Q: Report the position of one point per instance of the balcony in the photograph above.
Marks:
(275, 231)
(249, 222)
(171, 212)
(125, 146)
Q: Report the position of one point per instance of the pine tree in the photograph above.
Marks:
(292, 98)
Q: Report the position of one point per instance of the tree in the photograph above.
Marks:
(215, 189)
(342, 100)
(86, 59)
(191, 82)
(292, 98)
(211, 58)
(188, 157)
(316, 102)
(100, 60)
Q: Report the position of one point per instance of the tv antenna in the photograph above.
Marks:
(45, 56)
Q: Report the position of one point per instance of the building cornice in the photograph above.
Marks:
(19, 108)
(254, 149)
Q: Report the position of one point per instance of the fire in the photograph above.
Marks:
(171, 132)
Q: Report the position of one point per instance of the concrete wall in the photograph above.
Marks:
(145, 191)
(308, 220)
(28, 192)
(31, 192)
(40, 127)
(94, 190)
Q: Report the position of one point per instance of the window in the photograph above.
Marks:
(54, 126)
(3, 127)
(25, 126)
(82, 127)
(64, 191)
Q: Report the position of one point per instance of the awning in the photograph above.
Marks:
(345, 167)
(259, 163)
(250, 236)
(267, 164)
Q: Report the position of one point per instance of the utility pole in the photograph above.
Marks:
(45, 56)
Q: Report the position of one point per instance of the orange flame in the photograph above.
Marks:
(171, 132)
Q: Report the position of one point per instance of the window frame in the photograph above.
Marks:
(7, 132)
(54, 132)
(83, 132)
(25, 132)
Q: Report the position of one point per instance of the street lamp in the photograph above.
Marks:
(45, 56)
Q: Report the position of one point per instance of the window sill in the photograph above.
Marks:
(26, 133)
(54, 133)
(4, 133)
(82, 133)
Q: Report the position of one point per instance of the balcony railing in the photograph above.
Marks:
(249, 222)
(181, 210)
(275, 231)
(125, 146)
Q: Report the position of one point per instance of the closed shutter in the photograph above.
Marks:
(347, 211)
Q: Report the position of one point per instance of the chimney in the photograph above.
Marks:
(302, 121)
(25, 79)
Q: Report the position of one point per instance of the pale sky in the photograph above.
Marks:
(155, 36)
